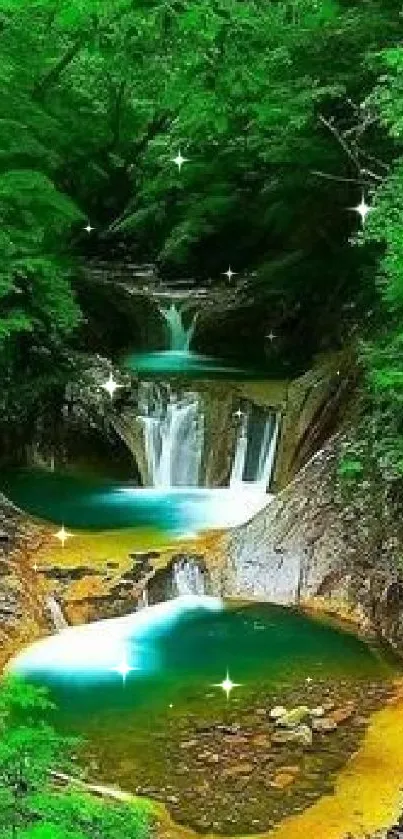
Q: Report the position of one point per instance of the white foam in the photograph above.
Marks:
(99, 648)
(205, 509)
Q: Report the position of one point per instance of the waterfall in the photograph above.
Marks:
(268, 451)
(187, 578)
(173, 428)
(179, 336)
(142, 602)
(173, 432)
(256, 450)
(57, 617)
(238, 465)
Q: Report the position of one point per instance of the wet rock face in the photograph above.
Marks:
(312, 544)
(20, 606)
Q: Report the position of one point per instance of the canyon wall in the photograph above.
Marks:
(318, 545)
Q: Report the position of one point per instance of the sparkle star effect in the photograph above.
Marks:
(238, 413)
(110, 385)
(271, 336)
(123, 668)
(62, 535)
(227, 685)
(89, 228)
(179, 160)
(229, 274)
(363, 209)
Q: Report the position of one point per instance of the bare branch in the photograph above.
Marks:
(336, 134)
(336, 177)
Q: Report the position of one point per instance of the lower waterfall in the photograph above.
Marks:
(187, 578)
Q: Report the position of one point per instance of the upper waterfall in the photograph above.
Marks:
(179, 335)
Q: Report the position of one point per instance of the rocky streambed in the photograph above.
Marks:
(255, 760)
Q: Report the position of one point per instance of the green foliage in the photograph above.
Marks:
(30, 749)
(382, 353)
(92, 818)
(97, 98)
(350, 468)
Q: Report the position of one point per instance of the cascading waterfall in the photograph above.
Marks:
(255, 450)
(174, 425)
(180, 336)
(187, 578)
(173, 431)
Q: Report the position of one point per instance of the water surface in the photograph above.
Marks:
(145, 692)
(190, 364)
(82, 502)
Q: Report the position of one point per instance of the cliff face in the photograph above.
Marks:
(314, 546)
(22, 617)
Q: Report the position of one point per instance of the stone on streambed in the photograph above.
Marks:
(316, 713)
(294, 718)
(238, 769)
(277, 712)
(285, 777)
(324, 726)
(301, 736)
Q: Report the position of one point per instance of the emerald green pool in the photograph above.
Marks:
(166, 727)
(85, 502)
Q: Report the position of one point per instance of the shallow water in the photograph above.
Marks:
(166, 727)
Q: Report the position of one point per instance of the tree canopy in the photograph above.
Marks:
(287, 112)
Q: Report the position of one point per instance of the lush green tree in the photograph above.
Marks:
(271, 104)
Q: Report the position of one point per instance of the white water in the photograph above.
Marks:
(188, 578)
(173, 426)
(199, 509)
(97, 649)
(238, 465)
(179, 335)
(264, 466)
(268, 451)
(173, 436)
(56, 614)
